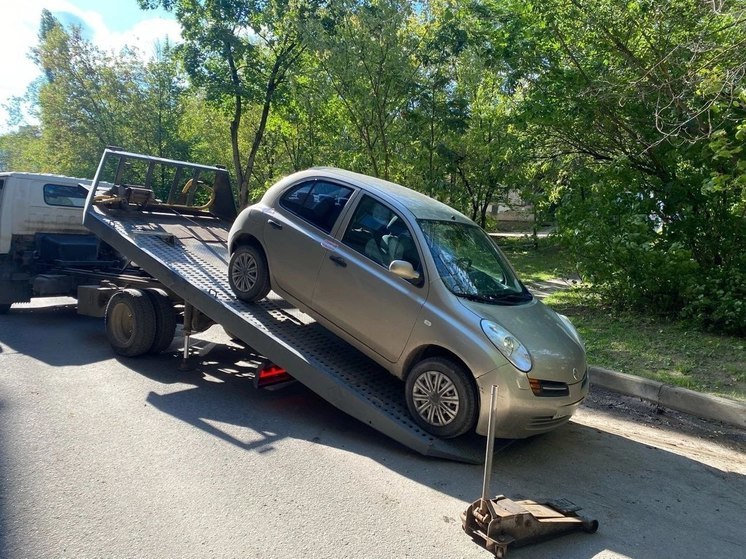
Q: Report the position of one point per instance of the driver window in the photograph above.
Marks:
(380, 234)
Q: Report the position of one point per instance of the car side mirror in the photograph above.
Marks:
(404, 270)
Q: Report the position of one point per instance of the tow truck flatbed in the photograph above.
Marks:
(188, 255)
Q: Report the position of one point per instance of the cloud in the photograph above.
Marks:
(20, 34)
(144, 36)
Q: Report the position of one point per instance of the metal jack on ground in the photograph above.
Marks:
(501, 522)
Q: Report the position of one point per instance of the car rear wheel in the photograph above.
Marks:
(248, 274)
(441, 397)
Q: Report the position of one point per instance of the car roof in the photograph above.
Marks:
(420, 205)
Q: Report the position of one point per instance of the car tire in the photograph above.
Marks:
(130, 323)
(165, 320)
(441, 397)
(248, 274)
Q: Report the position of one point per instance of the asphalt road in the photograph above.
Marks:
(108, 457)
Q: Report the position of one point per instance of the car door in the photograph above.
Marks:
(297, 232)
(356, 291)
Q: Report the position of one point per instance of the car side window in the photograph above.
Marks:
(379, 233)
(65, 195)
(318, 202)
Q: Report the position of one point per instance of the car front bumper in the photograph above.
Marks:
(520, 413)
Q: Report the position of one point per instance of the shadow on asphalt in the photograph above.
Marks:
(637, 492)
(61, 336)
(641, 495)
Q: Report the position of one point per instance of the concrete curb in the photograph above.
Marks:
(705, 406)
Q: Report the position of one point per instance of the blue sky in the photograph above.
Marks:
(119, 15)
(110, 24)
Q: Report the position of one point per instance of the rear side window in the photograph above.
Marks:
(317, 202)
(65, 195)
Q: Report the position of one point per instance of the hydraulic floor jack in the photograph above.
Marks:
(501, 522)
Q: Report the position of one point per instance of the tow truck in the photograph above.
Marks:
(156, 231)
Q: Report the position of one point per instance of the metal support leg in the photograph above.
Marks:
(186, 365)
(490, 450)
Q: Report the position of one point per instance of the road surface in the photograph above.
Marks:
(110, 457)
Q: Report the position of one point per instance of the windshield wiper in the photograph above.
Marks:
(504, 299)
(515, 297)
(479, 298)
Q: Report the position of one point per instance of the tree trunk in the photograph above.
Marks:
(243, 198)
(236, 122)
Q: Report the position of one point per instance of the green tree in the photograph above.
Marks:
(90, 99)
(366, 52)
(243, 51)
(635, 101)
(21, 150)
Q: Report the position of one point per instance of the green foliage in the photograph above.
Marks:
(365, 52)
(624, 121)
(640, 110)
(90, 99)
(241, 53)
(654, 347)
(21, 150)
(719, 303)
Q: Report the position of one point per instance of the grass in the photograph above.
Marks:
(635, 343)
(544, 263)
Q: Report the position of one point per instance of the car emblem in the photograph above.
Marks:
(574, 373)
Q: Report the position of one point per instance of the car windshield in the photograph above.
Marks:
(470, 264)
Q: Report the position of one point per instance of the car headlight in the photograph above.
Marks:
(510, 346)
(571, 329)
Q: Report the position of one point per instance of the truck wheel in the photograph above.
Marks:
(4, 308)
(165, 319)
(248, 274)
(441, 397)
(130, 323)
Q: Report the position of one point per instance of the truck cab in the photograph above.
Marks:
(41, 229)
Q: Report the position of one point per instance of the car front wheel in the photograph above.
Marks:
(441, 397)
(248, 274)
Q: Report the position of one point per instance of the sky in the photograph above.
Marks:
(109, 24)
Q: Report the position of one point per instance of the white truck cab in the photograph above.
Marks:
(41, 227)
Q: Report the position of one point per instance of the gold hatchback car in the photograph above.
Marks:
(419, 288)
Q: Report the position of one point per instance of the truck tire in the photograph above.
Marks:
(4, 308)
(441, 397)
(248, 274)
(165, 319)
(130, 323)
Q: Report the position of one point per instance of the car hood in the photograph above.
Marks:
(555, 354)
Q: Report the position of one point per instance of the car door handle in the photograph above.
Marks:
(274, 224)
(338, 260)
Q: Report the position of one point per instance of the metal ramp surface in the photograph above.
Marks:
(189, 255)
